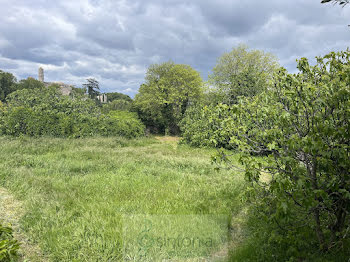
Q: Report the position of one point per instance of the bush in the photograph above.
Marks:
(121, 123)
(45, 112)
(304, 184)
(119, 104)
(8, 245)
(16, 121)
(207, 126)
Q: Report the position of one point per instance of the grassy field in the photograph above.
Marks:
(77, 193)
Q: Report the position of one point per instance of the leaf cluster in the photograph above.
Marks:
(46, 112)
(8, 245)
(242, 72)
(340, 2)
(166, 94)
(302, 124)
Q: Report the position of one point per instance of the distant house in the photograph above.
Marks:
(102, 98)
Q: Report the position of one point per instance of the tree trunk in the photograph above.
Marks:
(318, 229)
(311, 164)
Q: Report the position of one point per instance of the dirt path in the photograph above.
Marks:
(236, 232)
(235, 239)
(11, 210)
(168, 138)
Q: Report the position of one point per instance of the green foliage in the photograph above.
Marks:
(8, 245)
(46, 112)
(166, 94)
(118, 96)
(207, 126)
(303, 124)
(29, 83)
(46, 98)
(78, 91)
(239, 73)
(118, 104)
(242, 72)
(121, 123)
(118, 101)
(93, 88)
(266, 242)
(7, 84)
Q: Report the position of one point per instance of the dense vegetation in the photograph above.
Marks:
(46, 112)
(303, 121)
(8, 245)
(7, 84)
(207, 126)
(118, 96)
(302, 124)
(167, 93)
(118, 101)
(299, 124)
(242, 72)
(239, 73)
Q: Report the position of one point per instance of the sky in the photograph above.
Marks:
(115, 41)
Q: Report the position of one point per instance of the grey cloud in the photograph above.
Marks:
(115, 41)
(8, 64)
(235, 17)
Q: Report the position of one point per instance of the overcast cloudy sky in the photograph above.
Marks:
(115, 41)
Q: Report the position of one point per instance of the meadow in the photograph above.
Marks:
(75, 192)
(82, 180)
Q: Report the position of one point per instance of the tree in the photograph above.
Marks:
(7, 84)
(206, 126)
(118, 96)
(118, 101)
(167, 92)
(340, 2)
(92, 87)
(76, 91)
(29, 83)
(303, 123)
(242, 73)
(118, 104)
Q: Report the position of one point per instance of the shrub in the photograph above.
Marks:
(121, 123)
(207, 126)
(45, 112)
(8, 245)
(118, 104)
(304, 121)
(16, 121)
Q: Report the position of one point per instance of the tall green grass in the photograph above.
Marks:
(76, 191)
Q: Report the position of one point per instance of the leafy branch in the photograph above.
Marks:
(340, 2)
